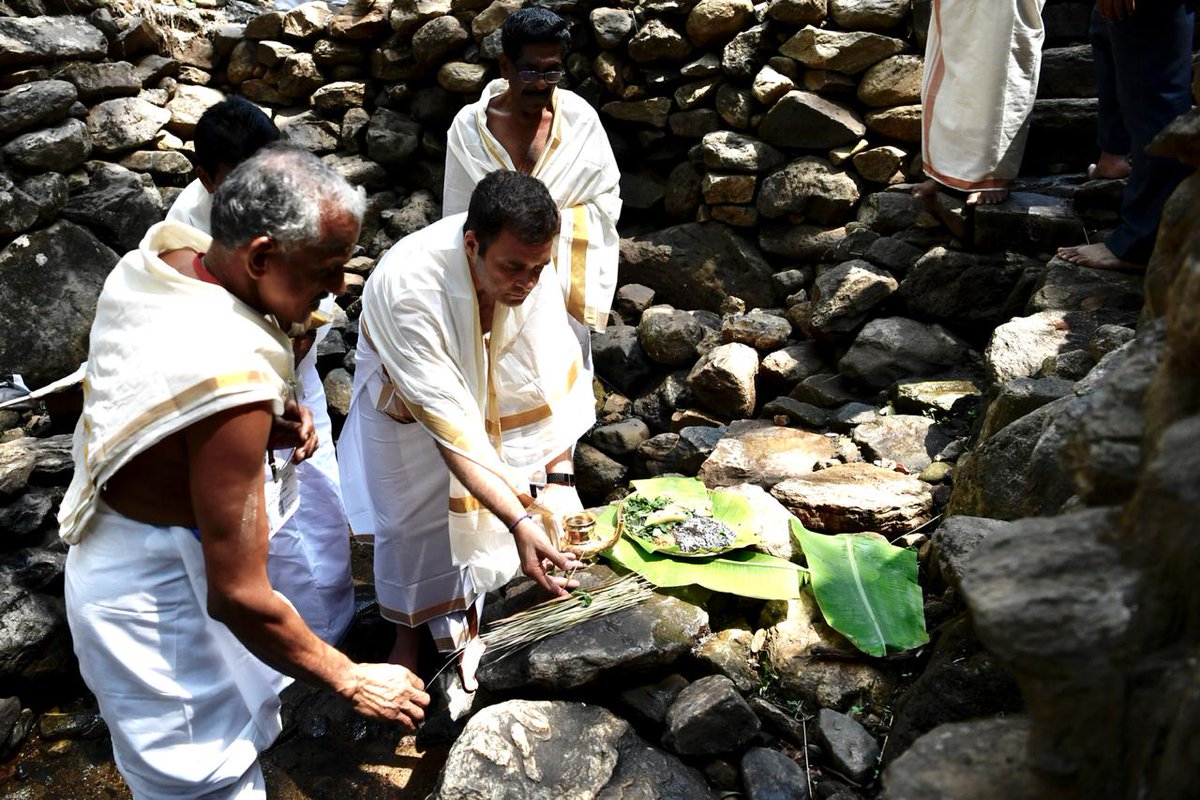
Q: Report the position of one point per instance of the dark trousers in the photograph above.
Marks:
(1144, 69)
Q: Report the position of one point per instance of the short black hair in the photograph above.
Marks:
(230, 132)
(511, 201)
(533, 25)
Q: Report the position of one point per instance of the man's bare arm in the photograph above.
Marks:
(533, 545)
(225, 457)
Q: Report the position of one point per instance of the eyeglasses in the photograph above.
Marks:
(550, 76)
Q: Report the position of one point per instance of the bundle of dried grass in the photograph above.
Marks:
(563, 613)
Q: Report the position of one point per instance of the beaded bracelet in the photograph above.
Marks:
(520, 519)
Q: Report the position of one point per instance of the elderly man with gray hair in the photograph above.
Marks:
(178, 631)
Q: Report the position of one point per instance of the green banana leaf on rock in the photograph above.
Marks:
(866, 588)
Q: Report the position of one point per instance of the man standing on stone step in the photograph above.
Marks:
(309, 561)
(982, 61)
(175, 623)
(525, 123)
(1143, 58)
(464, 334)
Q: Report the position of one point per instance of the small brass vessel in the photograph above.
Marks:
(580, 530)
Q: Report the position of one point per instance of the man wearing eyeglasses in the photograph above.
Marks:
(525, 123)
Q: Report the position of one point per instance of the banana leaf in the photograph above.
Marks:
(733, 510)
(867, 589)
(745, 572)
(689, 491)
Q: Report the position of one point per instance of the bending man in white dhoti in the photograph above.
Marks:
(982, 62)
(177, 629)
(524, 123)
(309, 557)
(463, 332)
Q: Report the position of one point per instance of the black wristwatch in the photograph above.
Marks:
(560, 479)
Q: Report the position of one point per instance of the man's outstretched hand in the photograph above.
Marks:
(386, 692)
(537, 555)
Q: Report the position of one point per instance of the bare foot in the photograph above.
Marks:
(1109, 166)
(407, 648)
(927, 192)
(987, 197)
(1097, 256)
(468, 662)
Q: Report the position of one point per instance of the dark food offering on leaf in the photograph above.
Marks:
(666, 524)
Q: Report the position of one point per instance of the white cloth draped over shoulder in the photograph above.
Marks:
(309, 557)
(982, 61)
(166, 351)
(579, 169)
(193, 207)
(508, 403)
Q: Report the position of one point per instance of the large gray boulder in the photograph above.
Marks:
(118, 204)
(968, 291)
(811, 188)
(761, 453)
(891, 348)
(850, 52)
(906, 439)
(709, 717)
(984, 759)
(846, 498)
(722, 381)
(392, 138)
(126, 123)
(103, 81)
(34, 642)
(651, 634)
(44, 40)
(806, 120)
(871, 15)
(534, 749)
(49, 282)
(669, 336)
(843, 296)
(727, 150)
(697, 266)
(60, 148)
(36, 103)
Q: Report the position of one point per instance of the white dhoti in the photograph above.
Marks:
(982, 61)
(395, 484)
(508, 401)
(308, 560)
(189, 708)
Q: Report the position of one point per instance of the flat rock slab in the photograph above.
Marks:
(906, 439)
(759, 452)
(1070, 287)
(1031, 223)
(651, 634)
(983, 760)
(857, 497)
(544, 749)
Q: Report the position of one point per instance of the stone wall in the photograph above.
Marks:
(778, 119)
